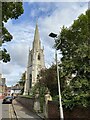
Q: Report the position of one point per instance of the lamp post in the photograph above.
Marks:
(59, 90)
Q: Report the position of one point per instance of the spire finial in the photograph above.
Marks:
(37, 21)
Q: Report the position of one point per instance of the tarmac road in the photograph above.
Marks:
(6, 111)
(0, 109)
(22, 112)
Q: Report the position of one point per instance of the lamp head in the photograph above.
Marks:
(53, 35)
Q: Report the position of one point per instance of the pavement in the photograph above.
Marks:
(11, 112)
(22, 112)
(0, 109)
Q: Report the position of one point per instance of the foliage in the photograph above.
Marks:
(22, 82)
(4, 55)
(56, 98)
(41, 88)
(23, 77)
(48, 77)
(75, 47)
(10, 10)
(77, 93)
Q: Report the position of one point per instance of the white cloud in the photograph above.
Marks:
(24, 34)
(60, 17)
(55, 0)
(12, 72)
(7, 69)
(18, 49)
(45, 0)
(19, 54)
(33, 13)
(53, 23)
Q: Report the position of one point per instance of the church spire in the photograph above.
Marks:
(36, 42)
(35, 62)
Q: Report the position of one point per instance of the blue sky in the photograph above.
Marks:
(32, 11)
(51, 17)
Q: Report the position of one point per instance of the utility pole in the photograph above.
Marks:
(59, 90)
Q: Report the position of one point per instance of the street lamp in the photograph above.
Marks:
(60, 103)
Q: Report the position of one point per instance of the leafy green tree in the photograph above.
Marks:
(22, 82)
(48, 78)
(75, 67)
(23, 77)
(42, 90)
(10, 10)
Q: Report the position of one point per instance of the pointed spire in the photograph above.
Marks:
(36, 42)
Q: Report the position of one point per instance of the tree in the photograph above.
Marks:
(48, 78)
(10, 10)
(22, 82)
(75, 47)
(23, 77)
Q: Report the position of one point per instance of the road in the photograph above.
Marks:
(0, 109)
(6, 110)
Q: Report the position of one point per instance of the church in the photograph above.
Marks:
(35, 62)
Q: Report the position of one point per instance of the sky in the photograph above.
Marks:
(51, 16)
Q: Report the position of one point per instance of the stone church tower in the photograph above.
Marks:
(35, 62)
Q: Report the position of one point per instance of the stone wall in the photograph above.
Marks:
(53, 110)
(26, 102)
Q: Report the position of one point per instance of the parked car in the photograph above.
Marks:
(7, 100)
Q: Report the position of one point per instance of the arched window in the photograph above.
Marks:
(39, 56)
(30, 80)
(31, 57)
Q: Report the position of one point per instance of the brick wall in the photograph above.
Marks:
(76, 113)
(53, 110)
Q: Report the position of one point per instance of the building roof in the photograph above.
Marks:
(8, 88)
(15, 88)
